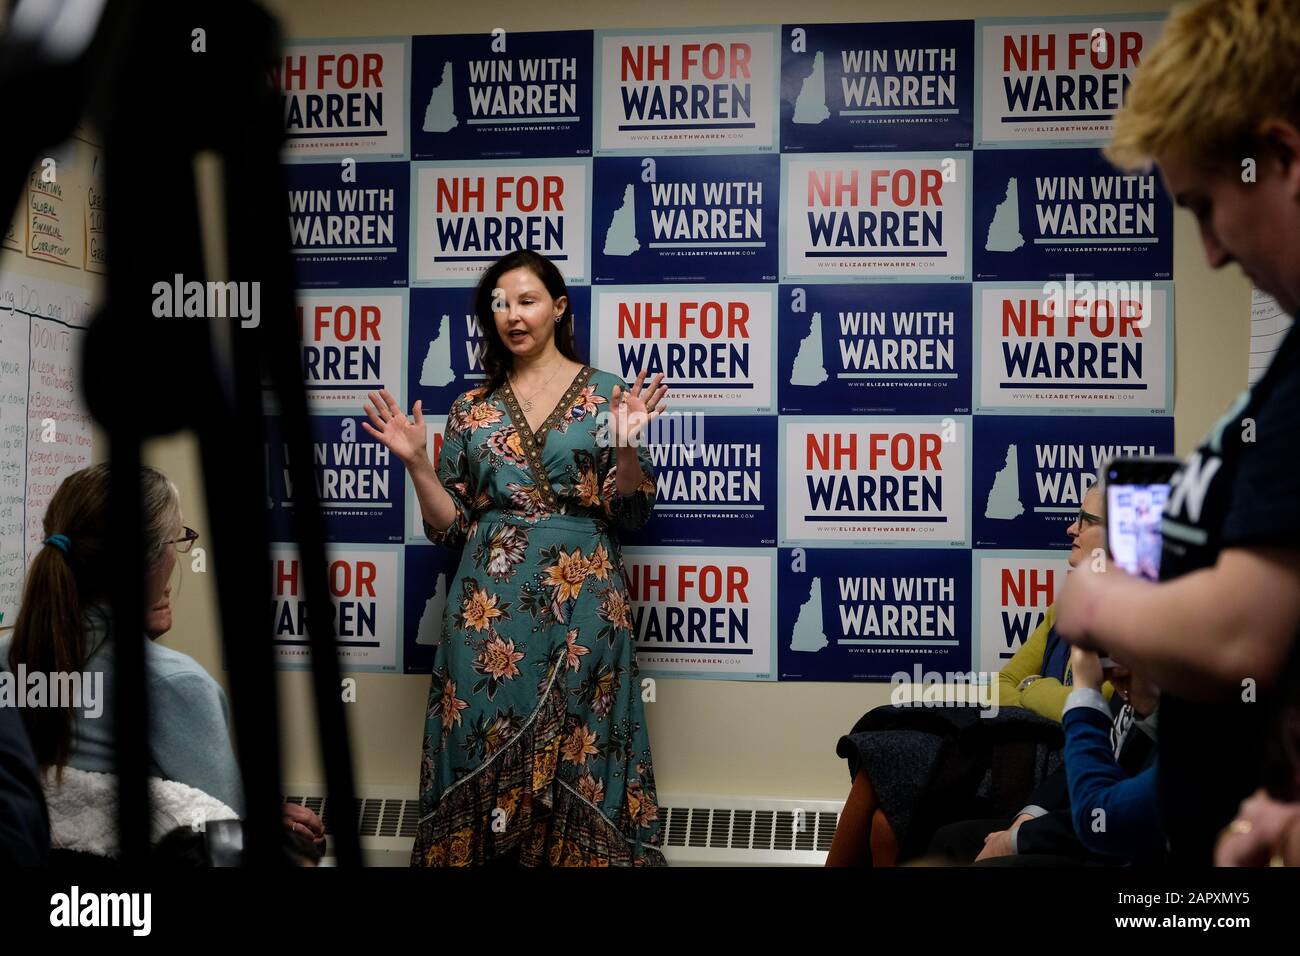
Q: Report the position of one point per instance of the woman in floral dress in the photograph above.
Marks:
(535, 749)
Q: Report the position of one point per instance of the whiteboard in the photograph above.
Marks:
(45, 429)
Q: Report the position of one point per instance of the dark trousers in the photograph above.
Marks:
(959, 843)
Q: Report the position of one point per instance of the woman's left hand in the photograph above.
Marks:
(633, 409)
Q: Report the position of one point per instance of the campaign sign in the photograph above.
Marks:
(1043, 214)
(713, 344)
(685, 219)
(874, 86)
(1076, 347)
(365, 586)
(867, 615)
(343, 99)
(1048, 81)
(1013, 590)
(686, 89)
(468, 216)
(703, 612)
(436, 428)
(716, 479)
(872, 349)
(351, 345)
(897, 481)
(488, 95)
(1031, 472)
(879, 216)
(359, 482)
(445, 351)
(348, 224)
(429, 577)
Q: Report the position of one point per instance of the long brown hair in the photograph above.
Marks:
(497, 357)
(61, 587)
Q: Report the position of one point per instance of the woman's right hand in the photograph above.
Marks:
(407, 438)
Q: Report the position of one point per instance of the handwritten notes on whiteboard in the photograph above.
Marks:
(14, 234)
(63, 207)
(96, 257)
(1268, 327)
(49, 216)
(13, 458)
(45, 430)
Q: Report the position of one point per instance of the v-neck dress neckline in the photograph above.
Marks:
(533, 442)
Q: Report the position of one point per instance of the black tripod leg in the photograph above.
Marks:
(257, 213)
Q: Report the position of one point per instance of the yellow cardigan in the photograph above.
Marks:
(1045, 696)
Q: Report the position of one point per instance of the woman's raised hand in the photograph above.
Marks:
(407, 438)
(637, 407)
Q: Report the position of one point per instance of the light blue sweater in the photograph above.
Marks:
(189, 736)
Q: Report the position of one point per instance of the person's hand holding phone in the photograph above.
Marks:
(1136, 490)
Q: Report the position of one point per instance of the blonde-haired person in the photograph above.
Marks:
(1215, 105)
(64, 626)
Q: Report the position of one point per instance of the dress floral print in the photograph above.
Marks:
(535, 737)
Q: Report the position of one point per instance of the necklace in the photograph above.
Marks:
(527, 401)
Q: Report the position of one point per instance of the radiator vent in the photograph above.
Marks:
(698, 829)
(392, 817)
(731, 830)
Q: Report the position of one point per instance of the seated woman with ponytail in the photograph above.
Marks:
(64, 626)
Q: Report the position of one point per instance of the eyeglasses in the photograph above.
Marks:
(1087, 517)
(183, 544)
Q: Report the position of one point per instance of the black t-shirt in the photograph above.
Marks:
(1240, 488)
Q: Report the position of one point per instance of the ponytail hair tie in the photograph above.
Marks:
(60, 541)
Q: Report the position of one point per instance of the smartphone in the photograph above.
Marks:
(1136, 491)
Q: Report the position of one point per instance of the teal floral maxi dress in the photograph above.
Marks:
(535, 738)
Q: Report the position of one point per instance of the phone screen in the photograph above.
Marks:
(1133, 526)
